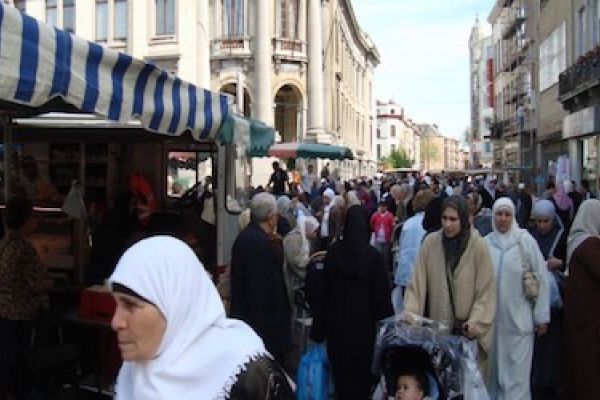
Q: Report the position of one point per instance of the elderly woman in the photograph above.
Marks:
(582, 302)
(174, 337)
(298, 246)
(287, 220)
(481, 218)
(518, 318)
(551, 238)
(453, 279)
(411, 237)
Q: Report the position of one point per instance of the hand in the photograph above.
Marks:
(554, 263)
(469, 331)
(541, 329)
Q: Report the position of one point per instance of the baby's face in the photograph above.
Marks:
(407, 388)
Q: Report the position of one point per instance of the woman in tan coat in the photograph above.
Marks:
(453, 280)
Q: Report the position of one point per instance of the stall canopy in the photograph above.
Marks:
(310, 150)
(46, 68)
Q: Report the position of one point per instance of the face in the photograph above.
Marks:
(503, 219)
(407, 388)
(471, 204)
(140, 327)
(272, 221)
(450, 222)
(543, 224)
(326, 200)
(312, 235)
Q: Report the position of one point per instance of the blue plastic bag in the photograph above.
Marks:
(313, 374)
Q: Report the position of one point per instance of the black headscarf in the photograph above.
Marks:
(455, 247)
(355, 242)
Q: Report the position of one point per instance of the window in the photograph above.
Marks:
(120, 22)
(106, 8)
(233, 18)
(20, 5)
(51, 13)
(379, 152)
(165, 17)
(102, 20)
(581, 32)
(289, 10)
(378, 133)
(393, 131)
(553, 57)
(392, 111)
(594, 23)
(69, 15)
(393, 148)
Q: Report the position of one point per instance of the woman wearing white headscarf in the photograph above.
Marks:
(517, 318)
(581, 305)
(297, 248)
(174, 337)
(323, 215)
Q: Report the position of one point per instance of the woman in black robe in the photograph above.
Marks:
(357, 296)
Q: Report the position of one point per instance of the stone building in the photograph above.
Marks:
(396, 132)
(304, 66)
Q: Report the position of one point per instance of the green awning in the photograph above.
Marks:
(290, 150)
(255, 136)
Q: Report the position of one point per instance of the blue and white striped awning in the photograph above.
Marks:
(39, 63)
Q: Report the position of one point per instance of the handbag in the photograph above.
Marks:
(531, 286)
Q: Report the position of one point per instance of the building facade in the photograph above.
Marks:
(513, 130)
(396, 132)
(579, 91)
(303, 66)
(482, 96)
(438, 152)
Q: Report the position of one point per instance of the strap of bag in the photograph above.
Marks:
(526, 264)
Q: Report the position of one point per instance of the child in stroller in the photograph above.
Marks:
(423, 356)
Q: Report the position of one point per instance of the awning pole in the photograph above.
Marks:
(7, 130)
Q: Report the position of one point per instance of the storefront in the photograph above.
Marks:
(582, 131)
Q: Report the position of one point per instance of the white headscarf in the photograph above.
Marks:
(202, 351)
(544, 208)
(585, 225)
(330, 194)
(510, 237)
(487, 187)
(305, 225)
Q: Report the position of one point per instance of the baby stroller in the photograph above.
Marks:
(424, 347)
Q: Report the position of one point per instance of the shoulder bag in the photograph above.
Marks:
(531, 286)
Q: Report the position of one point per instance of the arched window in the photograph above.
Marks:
(233, 18)
(288, 18)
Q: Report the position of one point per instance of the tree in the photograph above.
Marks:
(398, 159)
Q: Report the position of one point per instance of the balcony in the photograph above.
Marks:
(230, 47)
(581, 77)
(518, 17)
(289, 50)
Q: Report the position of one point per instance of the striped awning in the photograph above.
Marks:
(39, 63)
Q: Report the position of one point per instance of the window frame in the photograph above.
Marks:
(287, 30)
(164, 34)
(111, 22)
(241, 28)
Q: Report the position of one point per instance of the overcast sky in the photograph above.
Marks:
(424, 48)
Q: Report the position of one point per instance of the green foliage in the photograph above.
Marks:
(398, 159)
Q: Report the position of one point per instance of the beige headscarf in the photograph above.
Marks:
(585, 225)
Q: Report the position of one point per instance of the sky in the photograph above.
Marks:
(424, 49)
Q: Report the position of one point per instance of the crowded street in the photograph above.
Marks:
(300, 199)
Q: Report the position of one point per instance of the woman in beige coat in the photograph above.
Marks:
(453, 280)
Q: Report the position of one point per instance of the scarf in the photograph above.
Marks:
(306, 225)
(454, 247)
(585, 225)
(202, 352)
(508, 239)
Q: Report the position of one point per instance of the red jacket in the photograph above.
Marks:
(386, 220)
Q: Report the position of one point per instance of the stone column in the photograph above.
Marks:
(263, 63)
(315, 71)
(203, 43)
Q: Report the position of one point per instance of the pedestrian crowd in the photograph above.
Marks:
(490, 260)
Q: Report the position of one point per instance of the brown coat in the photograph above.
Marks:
(474, 288)
(582, 323)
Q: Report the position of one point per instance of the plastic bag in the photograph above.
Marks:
(313, 374)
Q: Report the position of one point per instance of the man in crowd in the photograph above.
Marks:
(258, 292)
(279, 178)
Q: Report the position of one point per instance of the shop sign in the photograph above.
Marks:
(582, 122)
